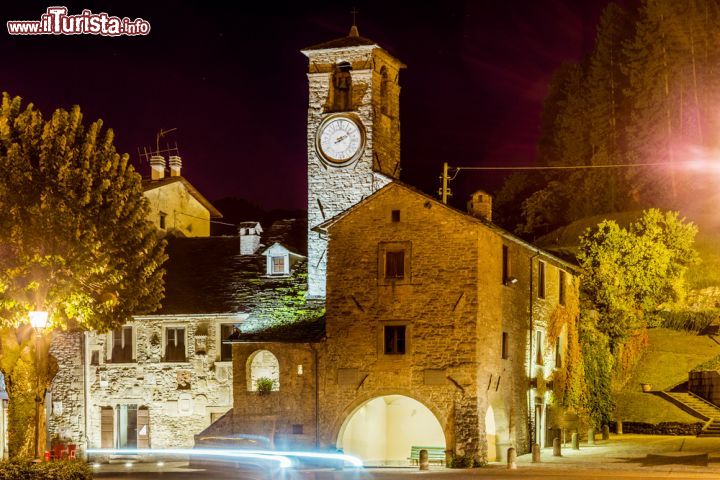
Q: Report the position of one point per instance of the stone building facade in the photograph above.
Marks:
(162, 379)
(462, 299)
(448, 330)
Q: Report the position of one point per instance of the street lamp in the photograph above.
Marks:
(38, 321)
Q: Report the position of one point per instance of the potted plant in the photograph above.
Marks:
(264, 385)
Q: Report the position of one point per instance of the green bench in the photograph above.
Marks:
(435, 454)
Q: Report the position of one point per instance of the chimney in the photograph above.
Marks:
(175, 165)
(249, 237)
(157, 167)
(480, 205)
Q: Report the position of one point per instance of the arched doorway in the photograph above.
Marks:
(497, 431)
(383, 430)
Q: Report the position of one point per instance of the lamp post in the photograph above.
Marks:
(38, 321)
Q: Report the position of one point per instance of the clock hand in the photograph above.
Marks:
(340, 139)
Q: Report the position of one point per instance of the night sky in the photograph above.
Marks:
(232, 80)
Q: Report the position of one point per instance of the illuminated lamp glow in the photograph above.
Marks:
(38, 320)
(96, 465)
(160, 464)
(128, 464)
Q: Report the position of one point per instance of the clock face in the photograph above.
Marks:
(340, 140)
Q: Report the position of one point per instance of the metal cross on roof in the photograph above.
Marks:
(354, 12)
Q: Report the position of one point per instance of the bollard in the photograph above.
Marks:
(535, 453)
(591, 436)
(575, 441)
(556, 447)
(511, 457)
(619, 427)
(424, 462)
(605, 432)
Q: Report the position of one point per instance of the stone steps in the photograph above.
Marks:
(712, 429)
(703, 409)
(696, 403)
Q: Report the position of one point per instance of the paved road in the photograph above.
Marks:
(403, 474)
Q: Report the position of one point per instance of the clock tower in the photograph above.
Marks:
(353, 133)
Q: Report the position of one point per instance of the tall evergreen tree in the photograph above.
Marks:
(607, 109)
(74, 241)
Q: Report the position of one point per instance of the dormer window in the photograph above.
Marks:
(280, 260)
(277, 265)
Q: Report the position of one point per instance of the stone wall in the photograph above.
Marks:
(706, 385)
(332, 190)
(662, 428)
(287, 415)
(67, 413)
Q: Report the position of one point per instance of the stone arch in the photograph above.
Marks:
(497, 430)
(262, 363)
(425, 411)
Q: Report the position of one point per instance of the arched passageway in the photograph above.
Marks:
(497, 431)
(383, 430)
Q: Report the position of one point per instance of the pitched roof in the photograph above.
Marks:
(300, 332)
(353, 39)
(149, 184)
(207, 275)
(487, 224)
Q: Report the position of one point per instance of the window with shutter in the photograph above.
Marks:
(395, 265)
(107, 432)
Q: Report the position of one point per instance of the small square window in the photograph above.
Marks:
(95, 357)
(395, 340)
(395, 265)
(504, 345)
(396, 216)
(278, 265)
(297, 429)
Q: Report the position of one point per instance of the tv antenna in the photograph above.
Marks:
(169, 149)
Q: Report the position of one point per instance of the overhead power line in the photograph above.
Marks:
(445, 191)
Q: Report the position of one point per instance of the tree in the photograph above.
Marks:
(607, 109)
(629, 273)
(74, 241)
